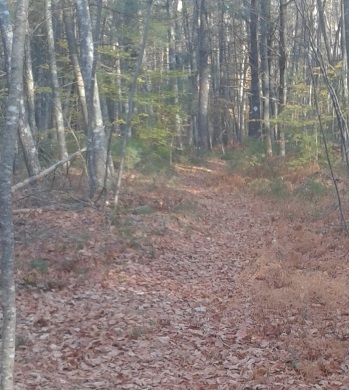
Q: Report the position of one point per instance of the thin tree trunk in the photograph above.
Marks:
(171, 33)
(73, 53)
(27, 142)
(322, 23)
(255, 114)
(57, 104)
(6, 34)
(265, 21)
(29, 89)
(282, 70)
(191, 43)
(204, 85)
(97, 143)
(8, 292)
(131, 103)
(345, 145)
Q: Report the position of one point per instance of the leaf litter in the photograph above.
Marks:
(209, 289)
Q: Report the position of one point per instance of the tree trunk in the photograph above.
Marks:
(204, 84)
(255, 114)
(29, 89)
(27, 142)
(171, 33)
(96, 139)
(345, 146)
(8, 293)
(282, 70)
(6, 34)
(73, 53)
(57, 104)
(322, 23)
(131, 102)
(346, 25)
(191, 44)
(265, 21)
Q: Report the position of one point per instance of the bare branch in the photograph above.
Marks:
(46, 171)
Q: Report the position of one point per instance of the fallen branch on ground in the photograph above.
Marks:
(46, 171)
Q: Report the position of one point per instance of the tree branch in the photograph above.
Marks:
(46, 171)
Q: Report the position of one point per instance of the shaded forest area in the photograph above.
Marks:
(174, 194)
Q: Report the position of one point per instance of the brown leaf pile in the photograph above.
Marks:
(207, 288)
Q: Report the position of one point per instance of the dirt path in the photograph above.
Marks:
(158, 300)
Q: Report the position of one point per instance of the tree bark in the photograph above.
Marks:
(57, 104)
(73, 53)
(97, 150)
(27, 142)
(204, 84)
(6, 34)
(29, 89)
(172, 48)
(322, 23)
(131, 102)
(265, 21)
(191, 45)
(345, 146)
(15, 98)
(255, 114)
(346, 25)
(282, 70)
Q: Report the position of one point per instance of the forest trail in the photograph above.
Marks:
(189, 290)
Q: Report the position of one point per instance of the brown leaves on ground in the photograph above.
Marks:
(195, 286)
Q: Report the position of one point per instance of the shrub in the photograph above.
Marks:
(312, 188)
(275, 188)
(40, 265)
(248, 157)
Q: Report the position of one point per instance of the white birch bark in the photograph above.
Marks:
(27, 142)
(96, 138)
(57, 104)
(15, 98)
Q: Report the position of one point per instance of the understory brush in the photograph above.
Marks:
(144, 157)
(279, 178)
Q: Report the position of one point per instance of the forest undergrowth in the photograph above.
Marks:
(202, 280)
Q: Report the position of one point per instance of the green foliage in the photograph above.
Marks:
(313, 188)
(278, 188)
(144, 156)
(143, 210)
(21, 341)
(40, 265)
(133, 156)
(260, 186)
(47, 90)
(248, 157)
(197, 158)
(275, 188)
(157, 34)
(305, 150)
(158, 137)
(155, 163)
(186, 207)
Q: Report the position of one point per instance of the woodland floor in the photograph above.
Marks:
(196, 285)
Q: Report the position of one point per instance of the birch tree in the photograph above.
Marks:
(26, 138)
(282, 70)
(57, 104)
(204, 83)
(14, 102)
(255, 114)
(96, 138)
(265, 21)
